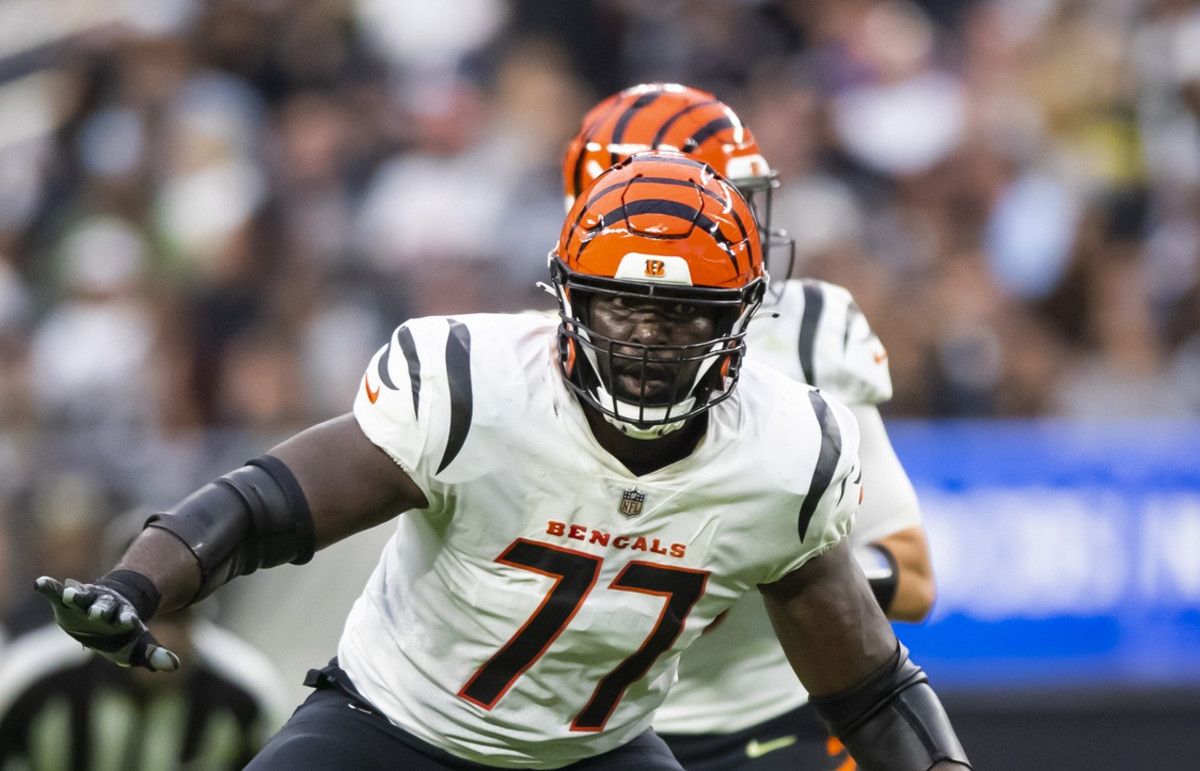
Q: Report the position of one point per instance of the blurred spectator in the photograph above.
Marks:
(898, 113)
(428, 215)
(1123, 374)
(16, 408)
(10, 592)
(63, 707)
(427, 45)
(262, 385)
(92, 354)
(465, 216)
(57, 523)
(1167, 51)
(211, 210)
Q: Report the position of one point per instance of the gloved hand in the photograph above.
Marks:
(104, 620)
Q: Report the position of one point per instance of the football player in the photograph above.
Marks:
(581, 498)
(737, 705)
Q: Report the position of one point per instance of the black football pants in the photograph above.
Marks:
(335, 730)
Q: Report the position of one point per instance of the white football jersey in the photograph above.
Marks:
(736, 675)
(814, 332)
(533, 614)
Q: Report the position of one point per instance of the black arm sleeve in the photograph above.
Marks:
(253, 517)
(893, 721)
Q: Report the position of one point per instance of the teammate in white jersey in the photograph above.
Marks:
(737, 706)
(581, 499)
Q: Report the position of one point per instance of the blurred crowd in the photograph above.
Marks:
(212, 212)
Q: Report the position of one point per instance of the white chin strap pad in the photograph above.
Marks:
(626, 417)
(637, 431)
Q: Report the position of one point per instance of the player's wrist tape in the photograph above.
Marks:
(892, 721)
(253, 517)
(883, 574)
(135, 588)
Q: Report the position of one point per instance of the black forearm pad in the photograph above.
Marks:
(253, 517)
(893, 721)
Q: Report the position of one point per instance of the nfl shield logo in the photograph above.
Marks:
(631, 503)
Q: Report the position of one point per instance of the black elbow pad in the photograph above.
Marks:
(893, 721)
(253, 517)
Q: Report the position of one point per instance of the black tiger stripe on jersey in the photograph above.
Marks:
(384, 376)
(845, 480)
(853, 312)
(409, 350)
(458, 374)
(814, 303)
(827, 460)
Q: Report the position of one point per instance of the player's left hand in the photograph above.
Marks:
(106, 622)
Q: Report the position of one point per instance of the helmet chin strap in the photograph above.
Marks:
(626, 414)
(634, 431)
(629, 418)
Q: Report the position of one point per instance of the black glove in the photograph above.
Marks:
(103, 619)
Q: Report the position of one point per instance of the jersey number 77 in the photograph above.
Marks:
(574, 575)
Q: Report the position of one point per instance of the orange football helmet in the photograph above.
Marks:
(669, 116)
(658, 227)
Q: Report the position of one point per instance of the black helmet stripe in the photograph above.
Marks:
(737, 217)
(713, 127)
(618, 134)
(657, 180)
(588, 134)
(605, 191)
(671, 209)
(669, 122)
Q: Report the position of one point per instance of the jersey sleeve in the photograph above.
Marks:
(829, 507)
(839, 352)
(889, 501)
(414, 401)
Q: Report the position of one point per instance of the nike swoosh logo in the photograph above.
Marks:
(880, 357)
(371, 395)
(756, 749)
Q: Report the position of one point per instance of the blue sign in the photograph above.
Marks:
(1066, 554)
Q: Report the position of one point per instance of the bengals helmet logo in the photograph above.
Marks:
(656, 268)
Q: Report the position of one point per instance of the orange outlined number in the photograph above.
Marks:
(574, 575)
